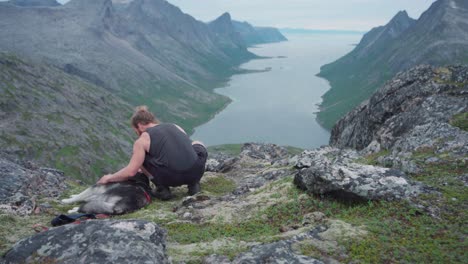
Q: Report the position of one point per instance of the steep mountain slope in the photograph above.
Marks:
(226, 34)
(149, 52)
(438, 37)
(60, 120)
(257, 35)
(34, 2)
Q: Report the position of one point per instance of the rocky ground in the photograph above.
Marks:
(262, 203)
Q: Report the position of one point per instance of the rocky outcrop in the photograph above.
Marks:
(94, 241)
(332, 171)
(411, 112)
(21, 187)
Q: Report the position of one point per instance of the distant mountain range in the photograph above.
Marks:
(258, 35)
(318, 31)
(136, 52)
(439, 37)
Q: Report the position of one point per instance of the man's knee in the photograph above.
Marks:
(196, 142)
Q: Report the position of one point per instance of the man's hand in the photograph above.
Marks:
(105, 179)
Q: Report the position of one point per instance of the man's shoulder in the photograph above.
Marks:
(143, 140)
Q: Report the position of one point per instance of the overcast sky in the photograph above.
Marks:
(311, 14)
(359, 15)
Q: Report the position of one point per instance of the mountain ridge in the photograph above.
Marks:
(438, 37)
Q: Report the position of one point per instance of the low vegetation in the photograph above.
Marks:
(460, 121)
(397, 232)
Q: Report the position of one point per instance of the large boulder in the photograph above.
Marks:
(94, 241)
(334, 171)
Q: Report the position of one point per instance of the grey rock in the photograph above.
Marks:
(313, 218)
(216, 259)
(20, 186)
(270, 152)
(94, 241)
(278, 253)
(411, 112)
(339, 176)
(211, 165)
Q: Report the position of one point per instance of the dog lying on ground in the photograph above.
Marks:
(113, 198)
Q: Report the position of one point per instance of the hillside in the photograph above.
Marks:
(439, 37)
(61, 121)
(148, 52)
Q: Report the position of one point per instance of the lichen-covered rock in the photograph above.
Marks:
(94, 241)
(278, 252)
(20, 186)
(328, 172)
(411, 112)
(421, 96)
(323, 237)
(269, 152)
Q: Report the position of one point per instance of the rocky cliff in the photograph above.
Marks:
(439, 37)
(391, 188)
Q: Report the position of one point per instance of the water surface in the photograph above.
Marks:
(278, 106)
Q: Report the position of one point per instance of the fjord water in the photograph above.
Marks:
(278, 106)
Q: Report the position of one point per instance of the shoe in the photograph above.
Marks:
(162, 193)
(194, 188)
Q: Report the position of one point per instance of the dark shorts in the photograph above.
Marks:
(167, 177)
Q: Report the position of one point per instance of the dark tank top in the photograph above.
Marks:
(169, 148)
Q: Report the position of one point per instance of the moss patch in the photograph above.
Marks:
(460, 121)
(218, 185)
(229, 149)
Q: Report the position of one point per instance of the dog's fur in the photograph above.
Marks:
(113, 198)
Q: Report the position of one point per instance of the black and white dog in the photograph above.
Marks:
(113, 198)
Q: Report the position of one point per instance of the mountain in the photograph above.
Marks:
(226, 34)
(34, 2)
(257, 35)
(59, 120)
(148, 52)
(439, 37)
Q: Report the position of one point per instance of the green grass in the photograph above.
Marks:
(219, 185)
(401, 233)
(372, 159)
(229, 149)
(460, 121)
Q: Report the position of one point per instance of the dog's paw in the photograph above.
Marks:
(67, 201)
(74, 210)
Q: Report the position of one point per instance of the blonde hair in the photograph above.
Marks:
(143, 116)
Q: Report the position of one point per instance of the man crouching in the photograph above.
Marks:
(165, 154)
